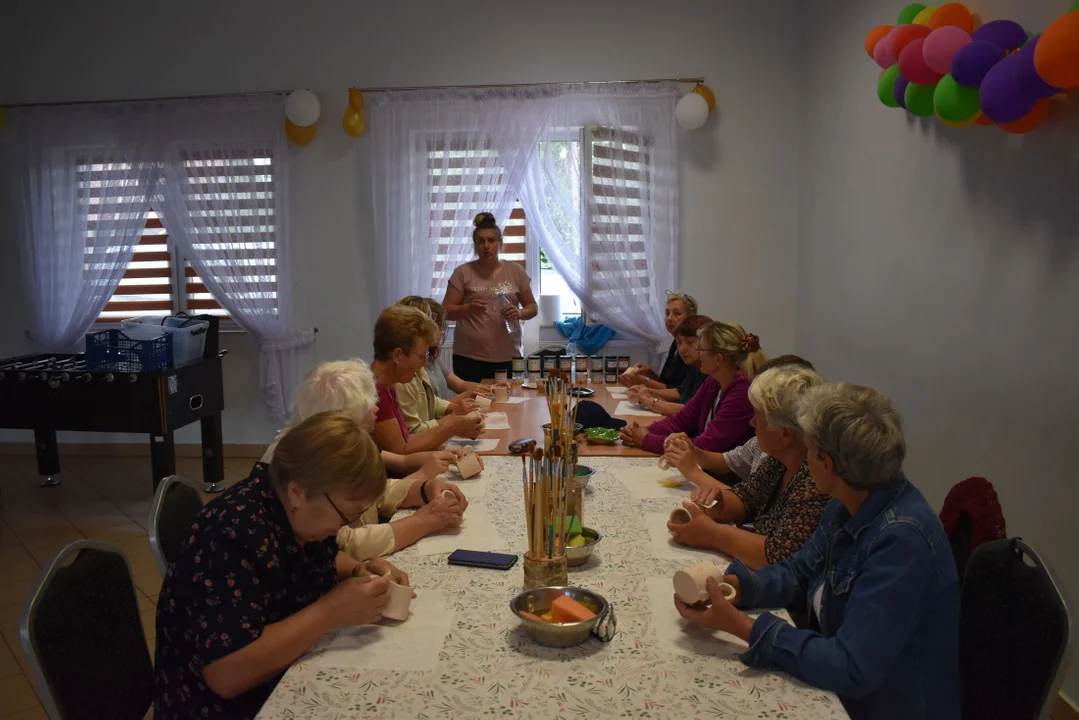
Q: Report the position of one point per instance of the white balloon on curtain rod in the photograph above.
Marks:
(691, 111)
(302, 108)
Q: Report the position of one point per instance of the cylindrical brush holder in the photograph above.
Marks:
(545, 572)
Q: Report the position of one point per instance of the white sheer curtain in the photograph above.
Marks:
(80, 180)
(607, 171)
(440, 158)
(225, 205)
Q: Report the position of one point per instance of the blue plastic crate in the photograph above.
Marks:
(114, 351)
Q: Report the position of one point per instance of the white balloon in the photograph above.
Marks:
(691, 111)
(302, 108)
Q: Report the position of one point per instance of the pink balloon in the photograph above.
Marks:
(884, 53)
(941, 45)
(912, 66)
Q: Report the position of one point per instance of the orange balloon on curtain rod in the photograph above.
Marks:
(299, 134)
(709, 97)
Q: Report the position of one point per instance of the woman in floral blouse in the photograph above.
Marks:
(779, 497)
(259, 578)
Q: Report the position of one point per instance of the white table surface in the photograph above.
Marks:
(487, 666)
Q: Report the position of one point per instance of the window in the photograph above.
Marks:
(149, 285)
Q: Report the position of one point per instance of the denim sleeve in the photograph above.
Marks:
(782, 584)
(885, 606)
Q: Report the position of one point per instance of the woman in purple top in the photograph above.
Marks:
(717, 418)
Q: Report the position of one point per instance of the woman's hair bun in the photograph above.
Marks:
(484, 218)
(750, 343)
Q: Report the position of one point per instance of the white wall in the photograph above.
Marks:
(943, 267)
(738, 174)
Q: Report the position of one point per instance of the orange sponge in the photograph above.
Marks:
(567, 610)
(530, 616)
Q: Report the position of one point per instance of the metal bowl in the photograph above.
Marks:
(579, 555)
(558, 635)
(583, 474)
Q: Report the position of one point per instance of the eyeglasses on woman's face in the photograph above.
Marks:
(355, 522)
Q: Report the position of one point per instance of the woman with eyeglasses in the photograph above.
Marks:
(260, 578)
(489, 298)
(419, 399)
(405, 339)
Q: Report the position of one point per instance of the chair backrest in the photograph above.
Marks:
(1015, 630)
(176, 503)
(971, 516)
(83, 637)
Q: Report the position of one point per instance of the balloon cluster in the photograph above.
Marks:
(354, 122)
(935, 62)
(695, 107)
(302, 109)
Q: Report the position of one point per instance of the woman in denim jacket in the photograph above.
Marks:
(877, 576)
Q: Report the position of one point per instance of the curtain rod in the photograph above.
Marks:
(517, 85)
(378, 89)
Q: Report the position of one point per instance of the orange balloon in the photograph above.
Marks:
(983, 119)
(875, 36)
(1057, 56)
(355, 99)
(952, 14)
(354, 122)
(709, 97)
(906, 34)
(1031, 120)
(299, 134)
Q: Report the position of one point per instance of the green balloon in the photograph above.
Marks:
(906, 17)
(1075, 6)
(953, 102)
(919, 99)
(886, 86)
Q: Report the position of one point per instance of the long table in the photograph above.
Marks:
(526, 420)
(471, 658)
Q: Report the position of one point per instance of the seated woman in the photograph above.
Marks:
(444, 381)
(418, 399)
(405, 339)
(877, 575)
(717, 417)
(779, 497)
(702, 467)
(259, 578)
(685, 335)
(348, 386)
(665, 384)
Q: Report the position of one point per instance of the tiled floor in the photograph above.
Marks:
(105, 499)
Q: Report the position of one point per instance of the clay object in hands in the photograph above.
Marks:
(680, 516)
(691, 584)
(399, 603)
(469, 465)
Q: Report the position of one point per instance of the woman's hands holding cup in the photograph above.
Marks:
(722, 613)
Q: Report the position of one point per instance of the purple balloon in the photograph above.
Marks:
(901, 91)
(1005, 34)
(1027, 74)
(1002, 98)
(971, 63)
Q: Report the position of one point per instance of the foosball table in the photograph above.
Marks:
(50, 392)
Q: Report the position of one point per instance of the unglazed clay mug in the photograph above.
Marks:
(691, 584)
(483, 403)
(680, 516)
(502, 393)
(399, 603)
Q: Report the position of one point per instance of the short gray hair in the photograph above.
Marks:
(776, 393)
(859, 428)
(342, 385)
(688, 300)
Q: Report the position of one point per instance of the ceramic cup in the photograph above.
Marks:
(502, 393)
(680, 516)
(690, 584)
(447, 493)
(483, 403)
(663, 464)
(400, 601)
(469, 465)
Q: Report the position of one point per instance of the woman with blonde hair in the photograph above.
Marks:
(419, 399)
(405, 339)
(348, 386)
(779, 497)
(259, 577)
(717, 417)
(489, 298)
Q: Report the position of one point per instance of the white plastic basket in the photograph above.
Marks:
(188, 334)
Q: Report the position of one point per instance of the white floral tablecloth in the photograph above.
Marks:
(487, 666)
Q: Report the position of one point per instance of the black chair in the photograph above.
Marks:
(83, 637)
(1015, 630)
(176, 503)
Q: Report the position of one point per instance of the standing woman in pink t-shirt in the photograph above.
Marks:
(489, 298)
